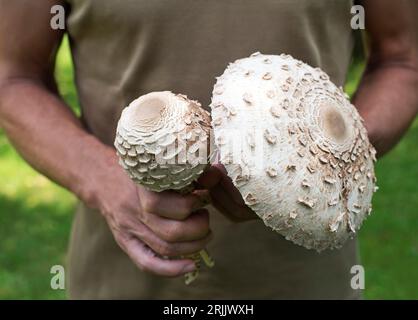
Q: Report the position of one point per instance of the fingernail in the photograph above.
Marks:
(189, 268)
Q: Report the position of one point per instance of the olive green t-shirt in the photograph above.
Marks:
(123, 49)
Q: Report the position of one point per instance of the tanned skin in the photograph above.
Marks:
(53, 140)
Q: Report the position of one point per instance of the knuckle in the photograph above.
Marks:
(150, 204)
(192, 203)
(186, 206)
(173, 233)
(167, 249)
(144, 217)
(183, 214)
(204, 219)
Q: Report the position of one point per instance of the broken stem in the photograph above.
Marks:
(207, 259)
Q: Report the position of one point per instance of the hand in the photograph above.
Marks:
(149, 226)
(224, 196)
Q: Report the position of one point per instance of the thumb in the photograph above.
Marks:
(212, 176)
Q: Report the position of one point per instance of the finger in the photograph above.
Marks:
(230, 208)
(211, 177)
(149, 262)
(195, 227)
(221, 168)
(169, 204)
(217, 175)
(231, 191)
(165, 248)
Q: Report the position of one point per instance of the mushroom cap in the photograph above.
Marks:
(162, 140)
(295, 148)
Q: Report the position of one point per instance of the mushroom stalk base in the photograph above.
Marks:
(197, 257)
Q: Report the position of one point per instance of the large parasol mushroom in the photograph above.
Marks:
(295, 148)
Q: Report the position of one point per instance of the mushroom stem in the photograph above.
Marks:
(207, 259)
(197, 256)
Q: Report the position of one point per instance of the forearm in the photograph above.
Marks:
(50, 138)
(388, 94)
(387, 99)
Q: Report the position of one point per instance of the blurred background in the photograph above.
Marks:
(36, 215)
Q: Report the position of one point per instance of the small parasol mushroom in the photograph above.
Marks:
(162, 143)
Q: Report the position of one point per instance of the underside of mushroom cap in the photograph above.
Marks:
(162, 140)
(295, 147)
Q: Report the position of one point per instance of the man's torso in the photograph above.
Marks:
(123, 49)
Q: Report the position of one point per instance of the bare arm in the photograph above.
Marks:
(49, 136)
(30, 109)
(387, 97)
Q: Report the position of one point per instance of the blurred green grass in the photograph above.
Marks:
(35, 217)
